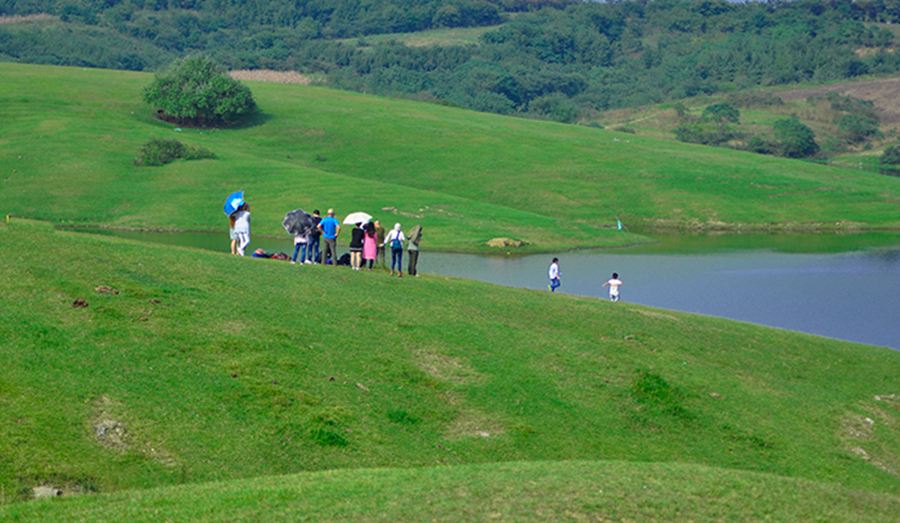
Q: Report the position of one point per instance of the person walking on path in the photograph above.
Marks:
(613, 285)
(301, 242)
(356, 246)
(330, 229)
(396, 238)
(553, 273)
(379, 241)
(313, 248)
(242, 227)
(415, 236)
(370, 245)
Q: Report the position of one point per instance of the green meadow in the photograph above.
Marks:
(187, 367)
(69, 136)
(154, 383)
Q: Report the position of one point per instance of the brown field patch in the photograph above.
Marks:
(281, 77)
(16, 19)
(884, 93)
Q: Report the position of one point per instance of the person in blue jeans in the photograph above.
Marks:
(313, 248)
(395, 239)
(553, 273)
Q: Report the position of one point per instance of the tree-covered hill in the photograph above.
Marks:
(560, 60)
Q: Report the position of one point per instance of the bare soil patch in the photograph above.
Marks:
(884, 93)
(281, 77)
(16, 19)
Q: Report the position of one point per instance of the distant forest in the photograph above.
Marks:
(560, 60)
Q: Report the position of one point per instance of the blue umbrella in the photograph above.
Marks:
(233, 202)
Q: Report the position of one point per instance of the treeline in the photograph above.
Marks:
(555, 59)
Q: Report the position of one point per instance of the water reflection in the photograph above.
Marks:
(840, 286)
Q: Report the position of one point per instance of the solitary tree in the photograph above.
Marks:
(795, 140)
(196, 91)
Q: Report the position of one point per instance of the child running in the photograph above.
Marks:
(613, 285)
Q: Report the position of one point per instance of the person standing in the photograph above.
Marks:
(415, 236)
(356, 246)
(242, 227)
(553, 273)
(313, 248)
(370, 245)
(396, 238)
(301, 242)
(379, 241)
(232, 234)
(614, 283)
(330, 229)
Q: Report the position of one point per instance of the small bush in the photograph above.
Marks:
(160, 151)
(624, 129)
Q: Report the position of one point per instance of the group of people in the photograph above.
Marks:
(553, 273)
(368, 242)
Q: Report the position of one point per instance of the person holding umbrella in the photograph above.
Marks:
(395, 239)
(232, 203)
(330, 229)
(356, 246)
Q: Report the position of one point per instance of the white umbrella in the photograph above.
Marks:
(357, 217)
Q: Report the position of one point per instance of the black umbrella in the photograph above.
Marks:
(298, 223)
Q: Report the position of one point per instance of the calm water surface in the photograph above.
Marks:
(845, 287)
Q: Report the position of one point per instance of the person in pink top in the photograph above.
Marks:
(370, 245)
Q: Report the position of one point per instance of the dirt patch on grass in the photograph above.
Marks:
(868, 435)
(281, 77)
(473, 424)
(884, 93)
(111, 431)
(16, 19)
(446, 368)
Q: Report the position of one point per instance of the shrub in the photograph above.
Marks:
(857, 128)
(160, 151)
(890, 156)
(723, 112)
(794, 139)
(196, 91)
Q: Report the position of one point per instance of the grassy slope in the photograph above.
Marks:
(221, 368)
(465, 176)
(581, 491)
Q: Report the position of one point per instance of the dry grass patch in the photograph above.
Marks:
(280, 77)
(446, 368)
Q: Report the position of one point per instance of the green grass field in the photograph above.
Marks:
(69, 136)
(190, 367)
(195, 386)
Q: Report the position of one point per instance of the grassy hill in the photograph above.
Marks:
(187, 367)
(69, 136)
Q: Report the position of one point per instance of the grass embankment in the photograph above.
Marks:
(539, 491)
(207, 367)
(70, 134)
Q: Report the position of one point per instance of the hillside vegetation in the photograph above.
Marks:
(130, 366)
(70, 136)
(561, 60)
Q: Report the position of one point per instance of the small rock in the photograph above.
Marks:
(105, 289)
(505, 242)
(155, 301)
(234, 375)
(362, 387)
(715, 394)
(331, 378)
(46, 492)
(79, 302)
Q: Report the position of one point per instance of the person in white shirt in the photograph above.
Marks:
(613, 285)
(553, 273)
(242, 227)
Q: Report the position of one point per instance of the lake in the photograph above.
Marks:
(844, 286)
